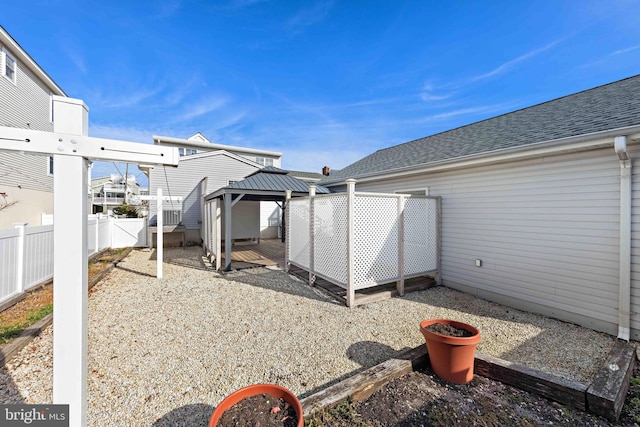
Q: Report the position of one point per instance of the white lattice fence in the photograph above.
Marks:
(298, 232)
(362, 240)
(420, 233)
(376, 229)
(330, 237)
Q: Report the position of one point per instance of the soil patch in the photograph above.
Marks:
(39, 301)
(448, 330)
(420, 398)
(260, 410)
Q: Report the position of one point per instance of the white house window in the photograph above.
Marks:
(9, 66)
(187, 151)
(50, 165)
(264, 161)
(230, 181)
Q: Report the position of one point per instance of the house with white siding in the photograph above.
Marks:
(540, 206)
(204, 168)
(26, 101)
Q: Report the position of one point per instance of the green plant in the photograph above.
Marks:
(9, 332)
(36, 315)
(126, 210)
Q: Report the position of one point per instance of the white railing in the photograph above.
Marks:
(359, 240)
(210, 231)
(26, 253)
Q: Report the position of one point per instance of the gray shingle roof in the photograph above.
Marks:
(607, 107)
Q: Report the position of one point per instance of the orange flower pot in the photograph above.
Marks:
(452, 358)
(271, 389)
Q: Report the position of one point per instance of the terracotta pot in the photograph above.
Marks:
(252, 390)
(451, 358)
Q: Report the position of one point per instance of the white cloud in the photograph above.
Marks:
(427, 94)
(626, 50)
(199, 108)
(310, 16)
(503, 68)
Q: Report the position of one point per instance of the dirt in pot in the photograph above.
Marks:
(448, 330)
(260, 410)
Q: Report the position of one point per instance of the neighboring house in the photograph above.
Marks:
(26, 101)
(204, 168)
(111, 191)
(537, 204)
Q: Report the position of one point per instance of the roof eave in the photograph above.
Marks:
(180, 142)
(24, 58)
(572, 143)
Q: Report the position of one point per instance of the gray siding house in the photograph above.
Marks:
(26, 101)
(204, 167)
(547, 198)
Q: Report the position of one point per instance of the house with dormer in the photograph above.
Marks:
(205, 167)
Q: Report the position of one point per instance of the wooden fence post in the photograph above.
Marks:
(351, 196)
(20, 226)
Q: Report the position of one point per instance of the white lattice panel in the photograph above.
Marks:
(298, 231)
(375, 240)
(420, 238)
(330, 237)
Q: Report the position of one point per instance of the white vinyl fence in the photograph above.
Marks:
(26, 253)
(360, 240)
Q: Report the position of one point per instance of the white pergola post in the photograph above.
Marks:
(70, 278)
(159, 234)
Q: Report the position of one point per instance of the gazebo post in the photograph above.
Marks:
(228, 204)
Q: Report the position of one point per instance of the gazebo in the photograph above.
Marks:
(266, 184)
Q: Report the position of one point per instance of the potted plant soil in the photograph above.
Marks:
(259, 404)
(452, 348)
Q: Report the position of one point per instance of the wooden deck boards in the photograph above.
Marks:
(248, 254)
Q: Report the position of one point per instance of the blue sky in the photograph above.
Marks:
(324, 82)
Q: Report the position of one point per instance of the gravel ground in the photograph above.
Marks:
(165, 352)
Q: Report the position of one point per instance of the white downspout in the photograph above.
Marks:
(624, 288)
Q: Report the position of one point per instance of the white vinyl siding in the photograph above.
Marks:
(183, 181)
(546, 231)
(25, 105)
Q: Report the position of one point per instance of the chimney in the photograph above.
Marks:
(326, 171)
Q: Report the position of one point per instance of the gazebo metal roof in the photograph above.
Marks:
(267, 184)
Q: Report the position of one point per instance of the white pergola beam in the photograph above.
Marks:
(66, 144)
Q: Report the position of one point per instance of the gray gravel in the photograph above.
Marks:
(165, 352)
